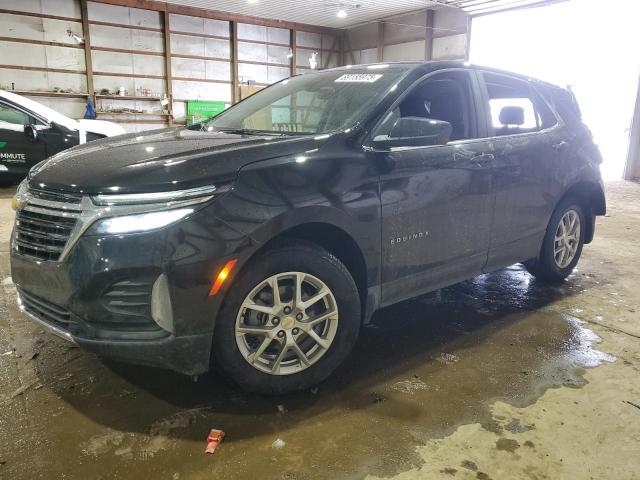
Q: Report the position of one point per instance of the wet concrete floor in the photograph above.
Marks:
(422, 369)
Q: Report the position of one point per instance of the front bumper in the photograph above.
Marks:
(99, 296)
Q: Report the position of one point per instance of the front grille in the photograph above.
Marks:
(45, 310)
(43, 227)
(52, 196)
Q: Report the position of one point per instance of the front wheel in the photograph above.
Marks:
(288, 321)
(562, 244)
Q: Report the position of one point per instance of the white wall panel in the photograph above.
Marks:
(207, 26)
(453, 46)
(252, 32)
(275, 74)
(217, 70)
(63, 8)
(216, 27)
(34, 28)
(277, 54)
(217, 48)
(278, 35)
(252, 51)
(145, 18)
(31, 80)
(186, 90)
(257, 73)
(186, 45)
(404, 52)
(369, 56)
(188, 67)
(61, 57)
(123, 15)
(71, 107)
(128, 39)
(303, 55)
(184, 23)
(117, 62)
(27, 55)
(308, 39)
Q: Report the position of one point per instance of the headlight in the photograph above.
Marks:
(142, 212)
(138, 223)
(21, 195)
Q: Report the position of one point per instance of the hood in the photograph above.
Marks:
(161, 160)
(101, 127)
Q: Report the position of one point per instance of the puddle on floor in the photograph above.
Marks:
(421, 369)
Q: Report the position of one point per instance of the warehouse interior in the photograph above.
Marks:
(499, 377)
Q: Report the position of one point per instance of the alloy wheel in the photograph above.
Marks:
(567, 239)
(286, 323)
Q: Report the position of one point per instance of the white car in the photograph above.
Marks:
(31, 132)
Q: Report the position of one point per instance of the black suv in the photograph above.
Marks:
(259, 242)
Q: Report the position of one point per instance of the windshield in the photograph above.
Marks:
(313, 103)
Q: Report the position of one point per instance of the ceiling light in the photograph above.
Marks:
(342, 13)
(252, 2)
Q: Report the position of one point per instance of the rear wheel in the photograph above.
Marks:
(562, 245)
(289, 320)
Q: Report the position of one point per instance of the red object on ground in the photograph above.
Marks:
(213, 440)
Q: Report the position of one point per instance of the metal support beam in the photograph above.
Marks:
(380, 41)
(467, 47)
(292, 45)
(632, 167)
(167, 64)
(428, 37)
(233, 38)
(87, 48)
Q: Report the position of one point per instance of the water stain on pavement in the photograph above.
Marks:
(421, 369)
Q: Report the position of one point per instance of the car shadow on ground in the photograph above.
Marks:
(409, 345)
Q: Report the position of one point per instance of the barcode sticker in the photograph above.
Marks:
(359, 77)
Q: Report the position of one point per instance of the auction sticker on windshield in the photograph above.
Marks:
(359, 77)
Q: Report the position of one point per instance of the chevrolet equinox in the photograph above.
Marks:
(260, 241)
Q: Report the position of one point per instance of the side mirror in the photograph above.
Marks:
(32, 132)
(59, 128)
(415, 132)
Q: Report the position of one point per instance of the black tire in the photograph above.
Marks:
(288, 257)
(545, 267)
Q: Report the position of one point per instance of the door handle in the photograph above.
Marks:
(561, 145)
(484, 157)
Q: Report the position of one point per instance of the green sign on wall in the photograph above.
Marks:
(200, 110)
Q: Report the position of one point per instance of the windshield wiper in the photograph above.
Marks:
(247, 131)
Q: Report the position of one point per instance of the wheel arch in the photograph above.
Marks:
(333, 239)
(591, 197)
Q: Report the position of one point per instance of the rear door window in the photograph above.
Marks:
(515, 107)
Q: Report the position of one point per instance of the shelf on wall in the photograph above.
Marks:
(129, 97)
(159, 114)
(40, 93)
